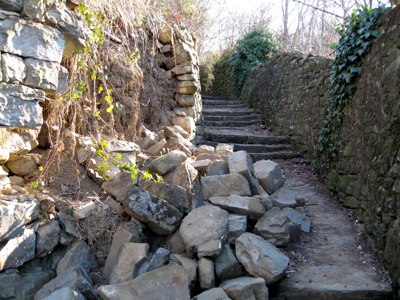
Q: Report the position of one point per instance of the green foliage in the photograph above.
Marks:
(356, 37)
(254, 48)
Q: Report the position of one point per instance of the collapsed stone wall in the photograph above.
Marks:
(292, 91)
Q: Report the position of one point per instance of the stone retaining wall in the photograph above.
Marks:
(291, 90)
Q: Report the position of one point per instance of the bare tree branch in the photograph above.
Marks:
(325, 11)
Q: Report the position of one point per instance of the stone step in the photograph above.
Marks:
(237, 137)
(228, 105)
(225, 112)
(256, 148)
(230, 123)
(221, 102)
(253, 117)
(275, 155)
(205, 97)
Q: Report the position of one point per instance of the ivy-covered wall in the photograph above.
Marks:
(291, 90)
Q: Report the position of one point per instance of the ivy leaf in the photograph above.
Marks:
(355, 70)
(352, 57)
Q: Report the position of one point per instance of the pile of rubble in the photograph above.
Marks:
(216, 224)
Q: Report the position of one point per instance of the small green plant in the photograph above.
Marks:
(356, 37)
(254, 48)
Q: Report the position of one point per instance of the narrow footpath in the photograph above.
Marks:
(332, 261)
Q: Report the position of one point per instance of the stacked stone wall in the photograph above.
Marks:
(291, 90)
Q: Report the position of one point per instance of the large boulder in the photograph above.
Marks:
(249, 206)
(17, 251)
(274, 227)
(269, 175)
(130, 258)
(129, 232)
(240, 162)
(169, 282)
(260, 258)
(158, 214)
(204, 230)
(166, 162)
(245, 288)
(20, 106)
(31, 39)
(225, 185)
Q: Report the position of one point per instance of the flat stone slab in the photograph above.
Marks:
(230, 123)
(245, 117)
(332, 282)
(241, 136)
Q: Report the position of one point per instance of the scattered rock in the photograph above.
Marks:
(158, 214)
(157, 148)
(25, 165)
(204, 149)
(81, 212)
(131, 256)
(159, 259)
(10, 286)
(78, 254)
(204, 230)
(171, 193)
(119, 185)
(202, 165)
(33, 282)
(129, 232)
(226, 264)
(175, 244)
(169, 282)
(65, 294)
(223, 149)
(166, 162)
(213, 294)
(269, 175)
(225, 185)
(284, 197)
(246, 288)
(206, 274)
(296, 216)
(249, 206)
(180, 130)
(240, 162)
(217, 167)
(260, 258)
(47, 237)
(15, 252)
(189, 265)
(237, 226)
(274, 227)
(212, 157)
(114, 205)
(75, 277)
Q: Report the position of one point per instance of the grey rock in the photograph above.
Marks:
(78, 254)
(122, 146)
(129, 232)
(47, 237)
(12, 220)
(13, 68)
(114, 205)
(223, 149)
(130, 257)
(204, 230)
(260, 258)
(4, 143)
(20, 107)
(240, 162)
(189, 265)
(296, 216)
(204, 149)
(226, 264)
(48, 42)
(274, 225)
(25, 165)
(75, 277)
(18, 250)
(201, 165)
(185, 100)
(212, 294)
(159, 259)
(157, 148)
(65, 294)
(269, 175)
(169, 282)
(158, 214)
(265, 200)
(12, 5)
(249, 206)
(22, 141)
(175, 244)
(284, 197)
(212, 157)
(166, 162)
(217, 167)
(10, 286)
(72, 27)
(225, 185)
(237, 226)
(33, 282)
(246, 288)
(206, 274)
(45, 75)
(171, 193)
(34, 10)
(119, 185)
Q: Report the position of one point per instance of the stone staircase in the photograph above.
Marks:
(227, 121)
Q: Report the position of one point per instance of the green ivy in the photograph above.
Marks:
(356, 37)
(253, 49)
